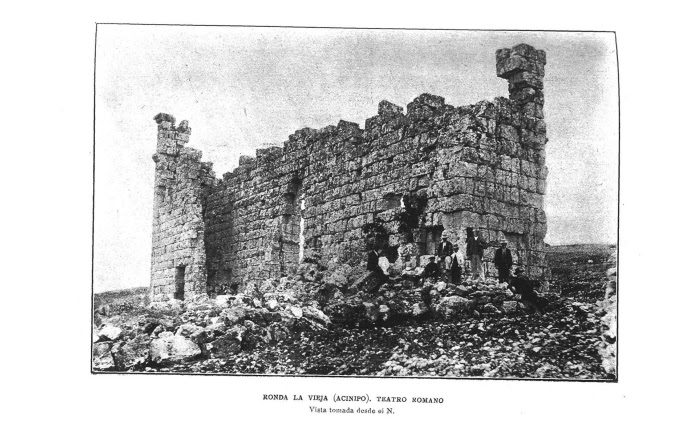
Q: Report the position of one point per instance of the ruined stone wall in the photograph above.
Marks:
(181, 182)
(481, 165)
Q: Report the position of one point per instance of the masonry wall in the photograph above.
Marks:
(481, 165)
(181, 184)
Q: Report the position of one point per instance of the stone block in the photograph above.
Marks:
(386, 108)
(524, 79)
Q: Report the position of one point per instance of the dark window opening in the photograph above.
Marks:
(289, 198)
(180, 283)
(358, 171)
(290, 226)
(295, 185)
(469, 233)
(392, 201)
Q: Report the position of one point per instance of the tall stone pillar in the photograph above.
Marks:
(178, 255)
(524, 68)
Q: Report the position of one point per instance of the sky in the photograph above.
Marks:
(241, 88)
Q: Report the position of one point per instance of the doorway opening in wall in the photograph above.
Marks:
(433, 237)
(180, 283)
(291, 227)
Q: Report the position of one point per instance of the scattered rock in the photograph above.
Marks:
(171, 348)
(509, 306)
(222, 300)
(103, 310)
(371, 311)
(133, 353)
(453, 306)
(462, 290)
(384, 312)
(187, 330)
(490, 308)
(109, 333)
(272, 305)
(548, 371)
(228, 344)
(419, 309)
(296, 311)
(102, 359)
(317, 315)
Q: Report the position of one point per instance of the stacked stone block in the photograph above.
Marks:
(479, 166)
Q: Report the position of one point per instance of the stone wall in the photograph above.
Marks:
(479, 166)
(181, 183)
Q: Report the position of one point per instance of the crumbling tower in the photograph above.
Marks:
(178, 255)
(524, 68)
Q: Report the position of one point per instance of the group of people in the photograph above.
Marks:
(453, 261)
(449, 261)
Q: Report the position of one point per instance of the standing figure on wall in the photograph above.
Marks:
(503, 261)
(457, 262)
(475, 246)
(373, 266)
(444, 250)
(372, 260)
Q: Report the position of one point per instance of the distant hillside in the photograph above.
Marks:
(109, 297)
(587, 248)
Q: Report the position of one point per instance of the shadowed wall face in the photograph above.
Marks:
(479, 166)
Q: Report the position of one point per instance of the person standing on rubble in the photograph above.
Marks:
(372, 264)
(503, 261)
(457, 263)
(444, 251)
(475, 246)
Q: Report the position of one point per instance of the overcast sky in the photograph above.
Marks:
(241, 88)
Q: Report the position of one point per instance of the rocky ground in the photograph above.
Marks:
(320, 324)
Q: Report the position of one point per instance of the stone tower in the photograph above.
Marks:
(178, 255)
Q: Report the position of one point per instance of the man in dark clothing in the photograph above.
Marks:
(457, 262)
(372, 261)
(521, 284)
(475, 246)
(372, 265)
(503, 261)
(377, 276)
(444, 250)
(431, 269)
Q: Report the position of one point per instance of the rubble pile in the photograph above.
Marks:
(178, 332)
(609, 307)
(265, 314)
(320, 323)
